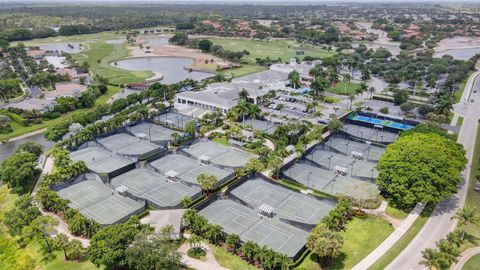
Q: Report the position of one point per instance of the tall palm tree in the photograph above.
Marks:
(466, 216)
(283, 261)
(214, 233)
(294, 78)
(444, 105)
(254, 111)
(249, 248)
(242, 108)
(243, 95)
(430, 258)
(351, 97)
(232, 241)
(346, 79)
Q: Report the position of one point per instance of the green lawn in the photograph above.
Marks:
(460, 121)
(361, 237)
(242, 71)
(106, 54)
(14, 257)
(285, 49)
(221, 140)
(344, 88)
(20, 130)
(473, 263)
(395, 212)
(229, 260)
(393, 252)
(86, 38)
(473, 197)
(458, 94)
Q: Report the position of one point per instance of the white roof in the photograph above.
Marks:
(171, 174)
(265, 208)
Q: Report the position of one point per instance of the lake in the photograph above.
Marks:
(172, 68)
(8, 148)
(62, 47)
(460, 54)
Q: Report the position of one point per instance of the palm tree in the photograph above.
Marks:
(346, 79)
(214, 233)
(242, 108)
(207, 182)
(444, 105)
(232, 241)
(248, 249)
(430, 258)
(448, 252)
(254, 111)
(194, 241)
(351, 97)
(61, 242)
(294, 78)
(243, 95)
(466, 216)
(75, 249)
(283, 261)
(371, 90)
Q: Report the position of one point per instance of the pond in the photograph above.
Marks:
(172, 68)
(459, 54)
(62, 47)
(161, 40)
(8, 148)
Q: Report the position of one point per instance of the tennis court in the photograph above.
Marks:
(188, 169)
(95, 200)
(369, 134)
(239, 214)
(153, 132)
(288, 204)
(330, 183)
(219, 154)
(345, 146)
(327, 160)
(174, 119)
(101, 161)
(125, 144)
(154, 187)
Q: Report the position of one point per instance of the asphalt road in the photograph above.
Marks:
(440, 223)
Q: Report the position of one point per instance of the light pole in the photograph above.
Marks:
(329, 161)
(347, 143)
(308, 182)
(149, 134)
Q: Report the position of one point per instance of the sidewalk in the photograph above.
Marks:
(465, 256)
(391, 240)
(210, 263)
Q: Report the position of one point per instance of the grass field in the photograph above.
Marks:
(21, 130)
(243, 71)
(395, 212)
(99, 56)
(393, 252)
(274, 49)
(221, 140)
(473, 263)
(458, 94)
(344, 88)
(459, 121)
(102, 36)
(360, 238)
(473, 197)
(228, 260)
(14, 257)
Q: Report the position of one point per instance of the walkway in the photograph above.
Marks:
(391, 240)
(62, 226)
(440, 223)
(465, 256)
(210, 263)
